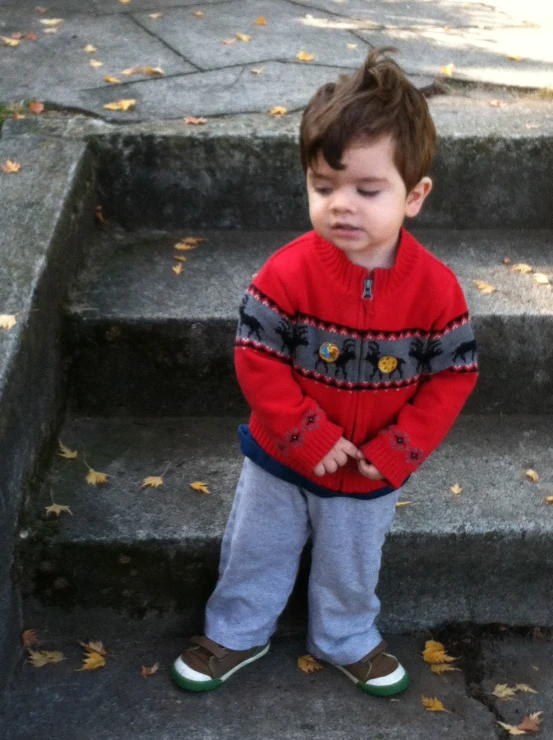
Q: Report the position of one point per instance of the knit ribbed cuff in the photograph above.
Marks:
(391, 463)
(316, 445)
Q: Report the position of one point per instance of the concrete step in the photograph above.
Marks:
(144, 341)
(268, 700)
(483, 556)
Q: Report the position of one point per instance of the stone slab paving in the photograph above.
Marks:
(204, 76)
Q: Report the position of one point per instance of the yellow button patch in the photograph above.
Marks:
(329, 352)
(387, 364)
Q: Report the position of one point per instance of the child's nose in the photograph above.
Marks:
(341, 201)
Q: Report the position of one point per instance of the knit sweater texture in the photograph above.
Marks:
(326, 348)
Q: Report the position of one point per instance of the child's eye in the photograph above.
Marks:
(368, 193)
(323, 191)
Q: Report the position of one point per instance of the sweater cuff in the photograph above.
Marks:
(389, 462)
(315, 445)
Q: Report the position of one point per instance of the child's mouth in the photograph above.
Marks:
(345, 230)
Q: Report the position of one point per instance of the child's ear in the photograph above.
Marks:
(417, 196)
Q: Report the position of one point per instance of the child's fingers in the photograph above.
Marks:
(319, 469)
(349, 448)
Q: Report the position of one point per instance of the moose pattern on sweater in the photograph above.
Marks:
(365, 360)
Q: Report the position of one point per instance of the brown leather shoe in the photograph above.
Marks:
(378, 673)
(207, 664)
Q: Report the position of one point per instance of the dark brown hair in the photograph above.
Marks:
(376, 100)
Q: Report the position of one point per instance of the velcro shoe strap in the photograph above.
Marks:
(211, 646)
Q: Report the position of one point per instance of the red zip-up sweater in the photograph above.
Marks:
(325, 349)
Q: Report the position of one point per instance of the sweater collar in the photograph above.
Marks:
(351, 276)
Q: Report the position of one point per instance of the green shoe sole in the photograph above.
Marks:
(390, 690)
(190, 685)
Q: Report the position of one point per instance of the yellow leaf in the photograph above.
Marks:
(432, 705)
(94, 646)
(541, 279)
(522, 268)
(120, 105)
(10, 167)
(278, 111)
(179, 258)
(124, 2)
(399, 504)
(351, 46)
(155, 16)
(198, 14)
(153, 481)
(308, 664)
(514, 57)
(177, 269)
(193, 121)
(305, 56)
(90, 49)
(94, 478)
(448, 70)
(549, 499)
(456, 489)
(199, 486)
(442, 668)
(92, 661)
(511, 729)
(95, 63)
(52, 22)
(57, 509)
(131, 71)
(112, 80)
(145, 672)
(39, 658)
(243, 37)
(261, 21)
(484, 287)
(434, 652)
(257, 70)
(532, 476)
(189, 242)
(7, 41)
(525, 688)
(66, 452)
(503, 691)
(7, 321)
(154, 71)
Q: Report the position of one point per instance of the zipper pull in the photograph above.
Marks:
(368, 288)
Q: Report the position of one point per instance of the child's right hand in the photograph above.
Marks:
(337, 457)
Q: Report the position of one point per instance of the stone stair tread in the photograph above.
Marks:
(129, 278)
(486, 455)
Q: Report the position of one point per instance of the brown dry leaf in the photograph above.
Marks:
(257, 70)
(94, 646)
(31, 37)
(17, 35)
(506, 260)
(503, 691)
(448, 70)
(525, 688)
(549, 499)
(121, 105)
(153, 71)
(305, 56)
(7, 321)
(522, 268)
(145, 672)
(261, 21)
(39, 658)
(153, 481)
(456, 489)
(112, 80)
(541, 278)
(199, 486)
(90, 49)
(511, 729)
(131, 71)
(399, 504)
(58, 509)
(92, 661)
(532, 476)
(278, 111)
(308, 664)
(243, 37)
(532, 722)
(484, 287)
(7, 41)
(28, 637)
(94, 478)
(495, 103)
(36, 107)
(193, 121)
(52, 22)
(198, 14)
(434, 652)
(10, 167)
(189, 243)
(155, 16)
(179, 258)
(440, 668)
(66, 452)
(514, 57)
(177, 269)
(432, 705)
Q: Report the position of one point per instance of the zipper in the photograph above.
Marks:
(368, 287)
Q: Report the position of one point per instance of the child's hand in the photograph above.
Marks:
(369, 470)
(337, 457)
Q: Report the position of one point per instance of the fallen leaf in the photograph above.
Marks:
(94, 646)
(35, 107)
(278, 111)
(456, 489)
(432, 705)
(199, 486)
(511, 729)
(92, 661)
(112, 80)
(440, 668)
(434, 652)
(261, 21)
(351, 46)
(10, 167)
(503, 691)
(145, 672)
(40, 9)
(193, 121)
(257, 70)
(243, 37)
(532, 722)
(17, 35)
(31, 37)
(28, 637)
(52, 22)
(124, 2)
(7, 321)
(198, 14)
(402, 503)
(448, 70)
(228, 42)
(58, 509)
(484, 287)
(179, 258)
(99, 216)
(90, 49)
(66, 452)
(525, 688)
(50, 30)
(506, 260)
(189, 242)
(94, 478)
(153, 481)
(121, 105)
(305, 56)
(7, 41)
(532, 476)
(549, 499)
(153, 71)
(177, 269)
(497, 103)
(155, 16)
(308, 664)
(39, 658)
(514, 57)
(541, 279)
(522, 268)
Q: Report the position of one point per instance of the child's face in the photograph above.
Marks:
(361, 208)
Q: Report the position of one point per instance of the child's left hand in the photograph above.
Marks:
(369, 470)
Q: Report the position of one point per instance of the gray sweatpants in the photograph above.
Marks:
(269, 524)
